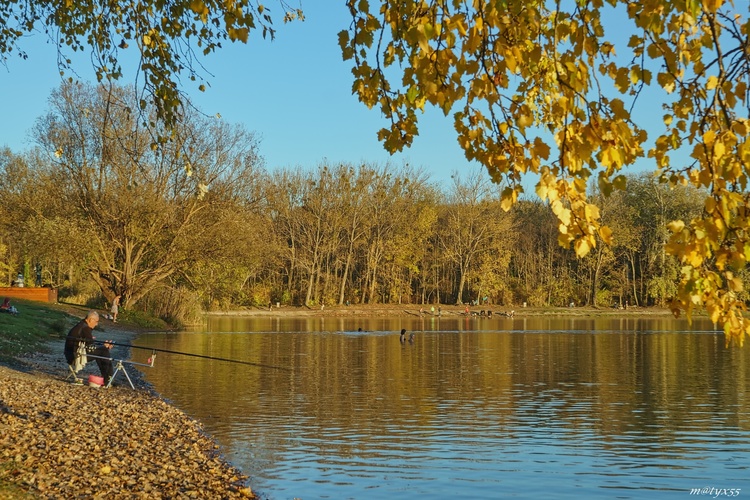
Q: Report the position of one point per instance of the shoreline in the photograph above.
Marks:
(379, 310)
(62, 440)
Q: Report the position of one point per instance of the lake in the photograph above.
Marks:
(563, 407)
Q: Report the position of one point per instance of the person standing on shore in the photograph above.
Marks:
(82, 333)
(115, 308)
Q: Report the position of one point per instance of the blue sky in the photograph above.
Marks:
(294, 92)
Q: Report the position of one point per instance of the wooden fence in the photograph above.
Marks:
(37, 294)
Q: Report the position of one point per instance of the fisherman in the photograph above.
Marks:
(82, 333)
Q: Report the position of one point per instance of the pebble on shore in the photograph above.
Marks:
(59, 440)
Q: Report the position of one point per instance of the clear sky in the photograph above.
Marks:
(294, 92)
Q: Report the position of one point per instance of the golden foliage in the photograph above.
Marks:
(536, 90)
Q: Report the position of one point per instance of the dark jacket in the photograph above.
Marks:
(82, 332)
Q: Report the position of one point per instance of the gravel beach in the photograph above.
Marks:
(61, 440)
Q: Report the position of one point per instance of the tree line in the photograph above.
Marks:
(200, 223)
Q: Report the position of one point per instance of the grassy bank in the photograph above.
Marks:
(30, 329)
(37, 323)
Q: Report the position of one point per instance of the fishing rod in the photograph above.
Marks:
(250, 363)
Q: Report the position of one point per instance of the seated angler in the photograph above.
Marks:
(82, 335)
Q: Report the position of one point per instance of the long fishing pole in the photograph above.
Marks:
(250, 363)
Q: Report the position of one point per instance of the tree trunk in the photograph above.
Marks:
(345, 277)
(461, 284)
(595, 278)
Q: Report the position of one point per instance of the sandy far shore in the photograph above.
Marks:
(380, 310)
(60, 440)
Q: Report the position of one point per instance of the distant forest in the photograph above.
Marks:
(100, 207)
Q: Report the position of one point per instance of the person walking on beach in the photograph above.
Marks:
(82, 333)
(115, 308)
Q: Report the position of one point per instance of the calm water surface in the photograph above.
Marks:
(473, 408)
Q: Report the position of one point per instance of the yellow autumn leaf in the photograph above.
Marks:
(508, 198)
(541, 149)
(710, 205)
(582, 247)
(606, 234)
(541, 191)
(715, 315)
(666, 81)
(739, 127)
(712, 5)
(591, 212)
(676, 226)
(719, 150)
(564, 217)
(605, 185)
(524, 120)
(694, 258)
(461, 27)
(709, 137)
(557, 207)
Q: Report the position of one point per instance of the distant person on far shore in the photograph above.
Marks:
(6, 307)
(115, 308)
